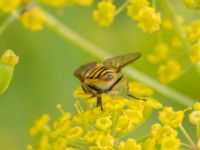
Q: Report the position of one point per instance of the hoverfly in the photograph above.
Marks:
(97, 78)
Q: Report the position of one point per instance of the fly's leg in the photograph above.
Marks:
(128, 91)
(99, 102)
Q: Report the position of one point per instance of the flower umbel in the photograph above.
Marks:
(95, 129)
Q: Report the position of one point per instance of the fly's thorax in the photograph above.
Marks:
(104, 80)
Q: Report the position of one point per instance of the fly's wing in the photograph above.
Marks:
(82, 70)
(120, 61)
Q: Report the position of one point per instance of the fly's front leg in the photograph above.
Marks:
(128, 91)
(99, 102)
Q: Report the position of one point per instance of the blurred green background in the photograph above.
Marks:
(44, 75)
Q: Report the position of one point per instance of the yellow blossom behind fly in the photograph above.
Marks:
(176, 42)
(33, 19)
(169, 72)
(195, 53)
(84, 2)
(160, 53)
(149, 19)
(105, 13)
(8, 6)
(135, 7)
(193, 31)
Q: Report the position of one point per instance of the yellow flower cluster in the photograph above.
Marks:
(140, 90)
(164, 136)
(193, 31)
(159, 54)
(194, 116)
(149, 19)
(92, 128)
(171, 118)
(195, 53)
(8, 6)
(193, 4)
(105, 13)
(62, 3)
(167, 24)
(57, 3)
(33, 19)
(169, 72)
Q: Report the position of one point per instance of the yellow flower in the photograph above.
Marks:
(116, 104)
(91, 136)
(135, 7)
(61, 125)
(105, 142)
(194, 117)
(130, 144)
(39, 125)
(170, 117)
(84, 2)
(8, 6)
(29, 147)
(138, 116)
(70, 148)
(74, 133)
(56, 3)
(60, 144)
(149, 144)
(160, 53)
(176, 42)
(105, 13)
(153, 103)
(195, 53)
(167, 24)
(194, 4)
(169, 72)
(193, 31)
(149, 20)
(103, 123)
(198, 144)
(93, 148)
(43, 143)
(123, 125)
(170, 144)
(197, 106)
(160, 133)
(9, 57)
(33, 19)
(140, 90)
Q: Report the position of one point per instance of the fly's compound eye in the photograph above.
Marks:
(108, 76)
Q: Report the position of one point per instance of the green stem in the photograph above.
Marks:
(70, 35)
(122, 7)
(187, 136)
(13, 16)
(186, 145)
(198, 131)
(154, 3)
